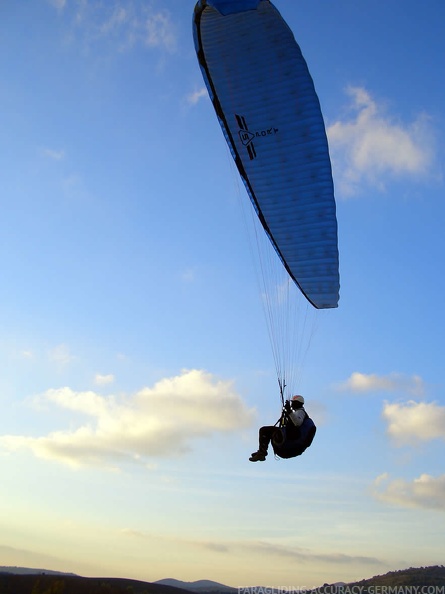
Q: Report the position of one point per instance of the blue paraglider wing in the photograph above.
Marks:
(265, 100)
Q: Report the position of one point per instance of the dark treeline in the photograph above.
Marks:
(63, 584)
(71, 584)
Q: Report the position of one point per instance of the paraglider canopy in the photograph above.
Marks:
(270, 115)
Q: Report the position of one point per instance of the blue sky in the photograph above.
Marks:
(136, 365)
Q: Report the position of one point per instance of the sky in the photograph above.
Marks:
(136, 367)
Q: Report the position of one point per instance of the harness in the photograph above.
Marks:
(285, 447)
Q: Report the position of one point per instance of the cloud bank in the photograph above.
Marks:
(372, 147)
(154, 422)
(259, 548)
(411, 422)
(425, 492)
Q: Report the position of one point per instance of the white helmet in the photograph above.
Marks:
(297, 398)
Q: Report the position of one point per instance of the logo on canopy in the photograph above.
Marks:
(247, 137)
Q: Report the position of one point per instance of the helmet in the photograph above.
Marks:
(297, 398)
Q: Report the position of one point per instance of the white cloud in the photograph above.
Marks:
(160, 421)
(415, 421)
(118, 18)
(102, 380)
(393, 382)
(426, 492)
(126, 23)
(56, 155)
(60, 354)
(59, 4)
(194, 97)
(371, 146)
(88, 403)
(159, 31)
(188, 275)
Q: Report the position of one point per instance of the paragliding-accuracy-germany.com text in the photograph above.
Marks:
(345, 589)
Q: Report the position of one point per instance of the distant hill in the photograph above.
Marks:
(19, 580)
(414, 576)
(46, 583)
(200, 586)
